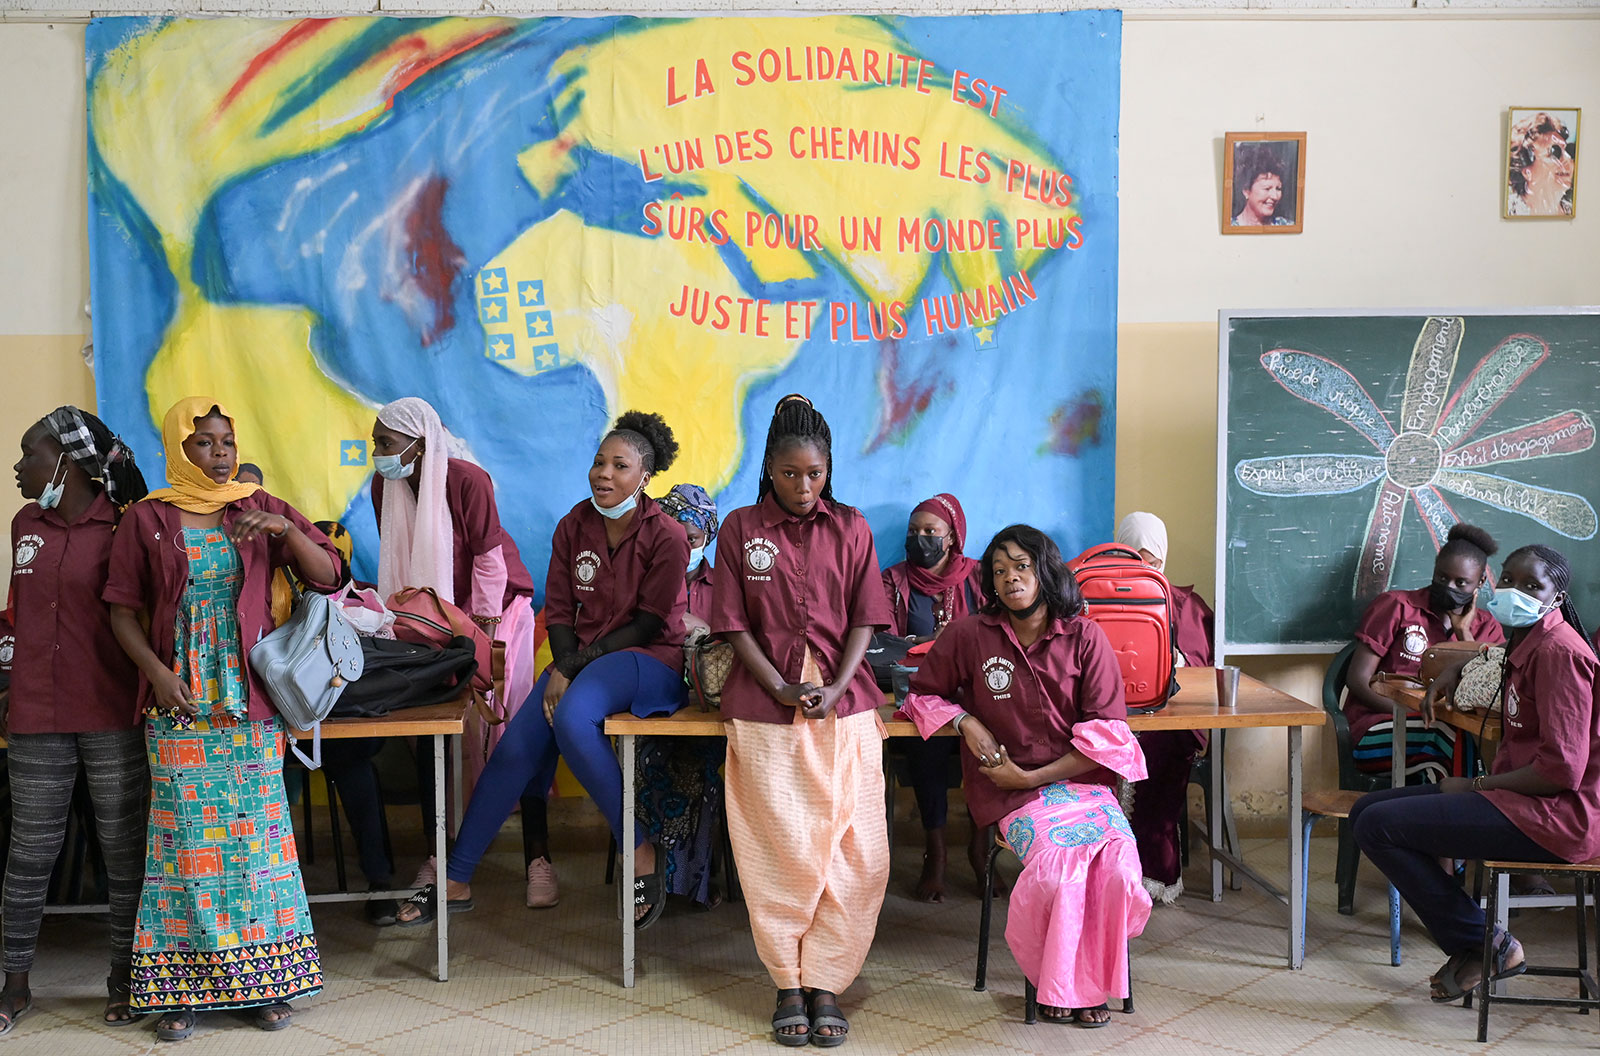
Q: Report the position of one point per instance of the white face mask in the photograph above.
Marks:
(621, 509)
(389, 467)
(50, 497)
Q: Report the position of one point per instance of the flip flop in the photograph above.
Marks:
(176, 1025)
(8, 1022)
(1057, 1014)
(425, 901)
(269, 1023)
(651, 891)
(1093, 1024)
(825, 1012)
(795, 1016)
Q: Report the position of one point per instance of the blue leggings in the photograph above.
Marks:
(529, 748)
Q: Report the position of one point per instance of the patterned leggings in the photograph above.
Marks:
(44, 768)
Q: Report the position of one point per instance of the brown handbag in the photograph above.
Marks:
(707, 661)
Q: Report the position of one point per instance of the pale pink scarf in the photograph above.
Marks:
(417, 547)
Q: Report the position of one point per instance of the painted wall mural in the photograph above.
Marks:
(538, 223)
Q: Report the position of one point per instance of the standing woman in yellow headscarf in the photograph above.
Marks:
(221, 872)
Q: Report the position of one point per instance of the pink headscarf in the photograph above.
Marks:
(947, 508)
(417, 548)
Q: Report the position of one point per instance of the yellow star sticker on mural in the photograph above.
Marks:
(493, 282)
(492, 311)
(353, 451)
(541, 326)
(985, 335)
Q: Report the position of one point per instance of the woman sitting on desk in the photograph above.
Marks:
(1401, 625)
(1539, 802)
(1043, 719)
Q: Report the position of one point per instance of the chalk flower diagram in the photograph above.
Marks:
(1432, 451)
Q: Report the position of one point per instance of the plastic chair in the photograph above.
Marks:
(1337, 805)
(1350, 778)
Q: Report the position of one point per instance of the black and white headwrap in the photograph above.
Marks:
(95, 450)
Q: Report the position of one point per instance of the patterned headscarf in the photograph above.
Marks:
(97, 451)
(690, 504)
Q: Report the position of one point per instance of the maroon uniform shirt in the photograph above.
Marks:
(791, 582)
(1400, 627)
(68, 674)
(700, 592)
(475, 529)
(595, 590)
(1029, 699)
(150, 570)
(1194, 621)
(1551, 721)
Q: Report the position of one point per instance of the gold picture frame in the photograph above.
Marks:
(1269, 198)
(1539, 174)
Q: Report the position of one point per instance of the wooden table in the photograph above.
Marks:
(1193, 708)
(439, 721)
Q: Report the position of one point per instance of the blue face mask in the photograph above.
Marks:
(389, 467)
(50, 497)
(621, 509)
(697, 555)
(1515, 609)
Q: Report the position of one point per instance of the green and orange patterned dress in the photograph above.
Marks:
(223, 921)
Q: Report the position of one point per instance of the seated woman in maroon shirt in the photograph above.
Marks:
(1541, 799)
(73, 692)
(1042, 716)
(1401, 625)
(614, 605)
(933, 586)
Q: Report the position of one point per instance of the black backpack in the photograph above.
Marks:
(406, 675)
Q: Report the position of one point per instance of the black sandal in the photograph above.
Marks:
(796, 1016)
(426, 902)
(651, 891)
(118, 999)
(175, 1025)
(1093, 1024)
(1057, 1014)
(266, 1022)
(825, 1012)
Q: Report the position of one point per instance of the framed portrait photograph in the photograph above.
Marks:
(1264, 183)
(1541, 163)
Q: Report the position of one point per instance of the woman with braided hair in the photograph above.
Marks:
(1538, 803)
(614, 606)
(797, 591)
(73, 695)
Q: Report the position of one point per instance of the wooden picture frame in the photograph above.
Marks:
(1539, 174)
(1269, 209)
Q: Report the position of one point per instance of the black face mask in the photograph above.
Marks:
(1024, 613)
(1443, 599)
(924, 551)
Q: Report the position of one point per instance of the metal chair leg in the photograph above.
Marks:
(981, 983)
(1030, 1004)
(333, 831)
(1485, 988)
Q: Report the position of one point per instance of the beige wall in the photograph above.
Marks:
(1405, 118)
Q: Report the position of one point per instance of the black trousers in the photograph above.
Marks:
(1405, 831)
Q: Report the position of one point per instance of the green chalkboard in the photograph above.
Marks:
(1349, 442)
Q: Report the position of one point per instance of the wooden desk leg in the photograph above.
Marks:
(441, 882)
(625, 877)
(1297, 886)
(1214, 823)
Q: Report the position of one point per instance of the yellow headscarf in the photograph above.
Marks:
(191, 489)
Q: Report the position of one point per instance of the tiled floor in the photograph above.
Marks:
(1208, 978)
